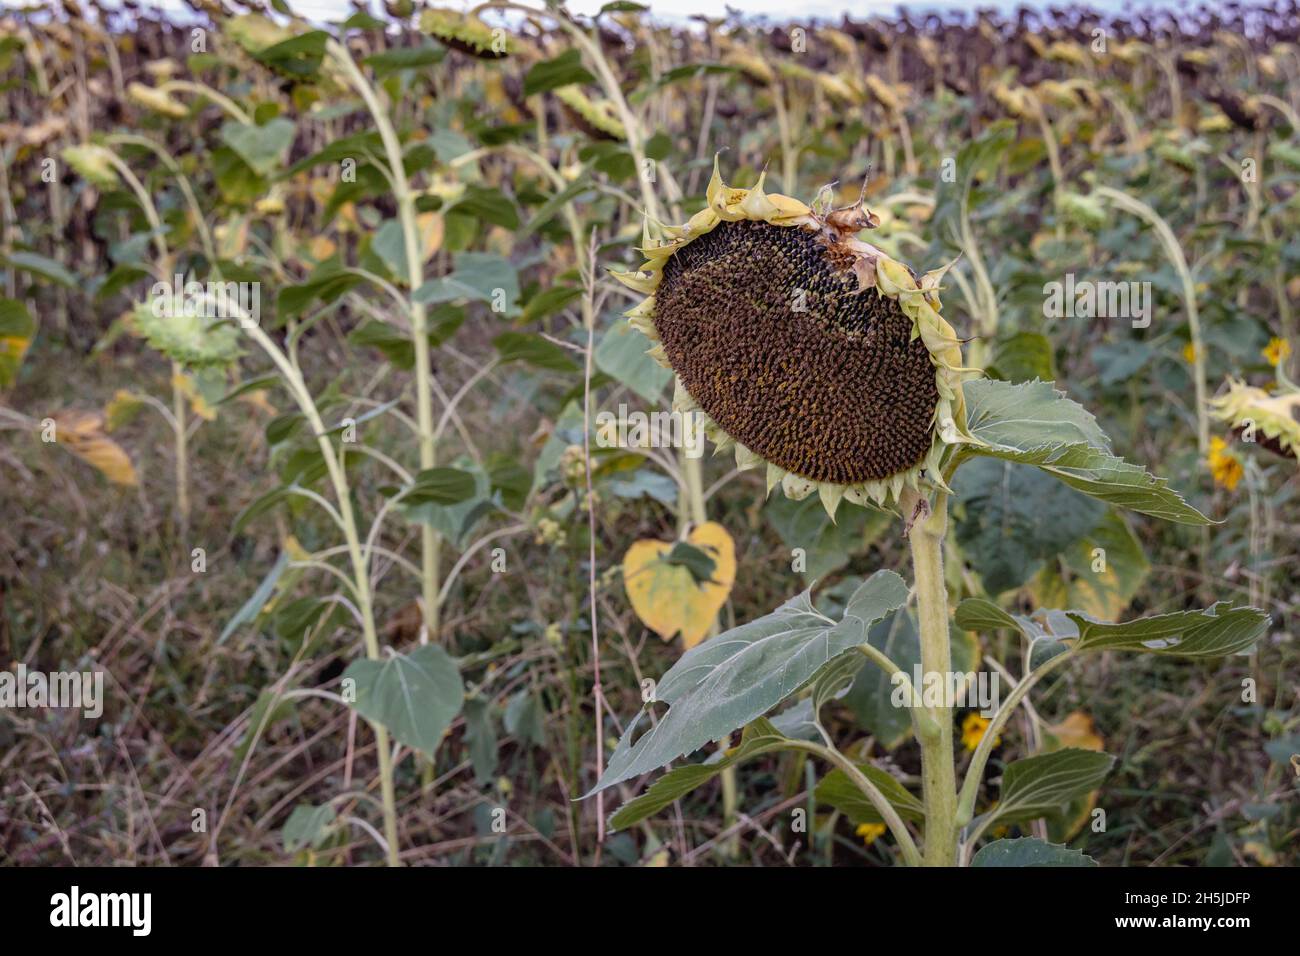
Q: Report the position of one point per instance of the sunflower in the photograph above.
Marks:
(467, 34)
(596, 118)
(1225, 467)
(1273, 420)
(870, 832)
(973, 729)
(1277, 351)
(802, 347)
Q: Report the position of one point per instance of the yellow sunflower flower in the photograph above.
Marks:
(802, 347)
(1277, 351)
(973, 729)
(870, 832)
(1224, 465)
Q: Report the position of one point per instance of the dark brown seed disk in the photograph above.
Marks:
(767, 330)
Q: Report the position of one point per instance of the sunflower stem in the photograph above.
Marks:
(938, 774)
(430, 540)
(696, 514)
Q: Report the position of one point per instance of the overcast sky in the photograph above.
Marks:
(325, 10)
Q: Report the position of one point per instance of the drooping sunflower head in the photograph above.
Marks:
(1272, 420)
(808, 350)
(596, 118)
(467, 34)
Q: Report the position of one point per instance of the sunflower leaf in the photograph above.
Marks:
(1029, 851)
(838, 791)
(416, 695)
(730, 680)
(760, 737)
(1034, 424)
(1216, 631)
(1043, 784)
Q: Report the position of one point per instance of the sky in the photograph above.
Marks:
(778, 10)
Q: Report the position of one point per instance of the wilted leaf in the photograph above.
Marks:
(666, 596)
(82, 433)
(16, 330)
(122, 409)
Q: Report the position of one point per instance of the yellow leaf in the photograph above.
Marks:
(666, 597)
(321, 248)
(82, 433)
(12, 350)
(185, 383)
(257, 399)
(1077, 730)
(431, 231)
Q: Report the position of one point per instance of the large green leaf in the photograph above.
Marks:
(1043, 784)
(759, 737)
(455, 521)
(838, 791)
(826, 544)
(439, 486)
(263, 148)
(734, 678)
(414, 695)
(1034, 424)
(1216, 631)
(621, 354)
(534, 350)
(1029, 851)
(405, 58)
(1013, 519)
(43, 266)
(1098, 575)
(478, 276)
(565, 69)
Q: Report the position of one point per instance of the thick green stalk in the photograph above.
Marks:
(938, 775)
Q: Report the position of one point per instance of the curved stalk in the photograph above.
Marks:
(430, 540)
(297, 387)
(869, 790)
(970, 784)
(1175, 253)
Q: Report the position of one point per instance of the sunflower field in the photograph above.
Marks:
(504, 436)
